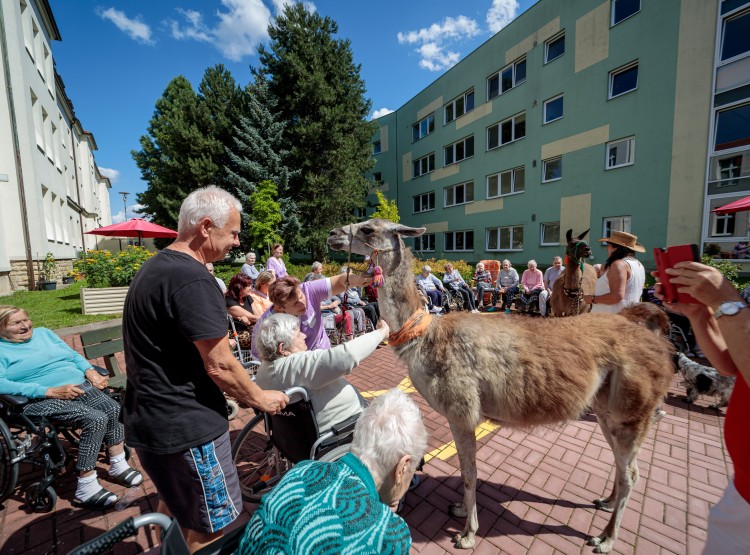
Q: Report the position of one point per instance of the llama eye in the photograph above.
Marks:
(367, 230)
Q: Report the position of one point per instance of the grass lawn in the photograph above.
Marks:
(60, 308)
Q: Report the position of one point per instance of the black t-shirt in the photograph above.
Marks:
(171, 404)
(247, 304)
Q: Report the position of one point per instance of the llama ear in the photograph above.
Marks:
(582, 235)
(406, 231)
(569, 235)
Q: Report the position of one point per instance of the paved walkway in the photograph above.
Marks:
(534, 494)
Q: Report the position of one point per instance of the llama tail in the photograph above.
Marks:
(648, 315)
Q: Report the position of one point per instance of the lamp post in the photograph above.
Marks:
(124, 209)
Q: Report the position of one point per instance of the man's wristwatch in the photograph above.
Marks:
(729, 308)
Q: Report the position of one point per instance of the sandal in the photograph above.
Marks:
(97, 502)
(129, 478)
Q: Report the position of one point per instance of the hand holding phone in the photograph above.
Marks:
(666, 258)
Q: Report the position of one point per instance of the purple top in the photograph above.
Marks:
(277, 265)
(310, 323)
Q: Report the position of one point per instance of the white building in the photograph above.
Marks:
(51, 190)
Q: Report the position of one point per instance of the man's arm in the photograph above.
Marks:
(232, 378)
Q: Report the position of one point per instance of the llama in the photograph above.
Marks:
(578, 279)
(603, 362)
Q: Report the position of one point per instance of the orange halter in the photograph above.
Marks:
(414, 326)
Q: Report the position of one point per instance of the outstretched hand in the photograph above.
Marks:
(384, 327)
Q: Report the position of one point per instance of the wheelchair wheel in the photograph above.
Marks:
(259, 464)
(8, 469)
(232, 409)
(336, 453)
(39, 499)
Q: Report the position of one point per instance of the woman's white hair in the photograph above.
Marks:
(427, 269)
(530, 262)
(275, 330)
(388, 429)
(208, 202)
(249, 255)
(317, 266)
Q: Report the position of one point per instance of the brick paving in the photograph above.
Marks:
(534, 495)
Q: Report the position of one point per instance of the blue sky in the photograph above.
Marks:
(117, 57)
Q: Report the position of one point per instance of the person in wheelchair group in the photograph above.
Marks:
(286, 362)
(342, 318)
(62, 386)
(458, 286)
(352, 299)
(355, 496)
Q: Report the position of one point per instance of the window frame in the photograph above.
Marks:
(421, 239)
(513, 66)
(741, 12)
(418, 127)
(499, 247)
(717, 113)
(542, 234)
(560, 97)
(500, 194)
(631, 153)
(618, 71)
(454, 234)
(376, 148)
(421, 196)
(452, 103)
(544, 169)
(625, 221)
(549, 42)
(612, 21)
(499, 126)
(427, 157)
(464, 185)
(453, 148)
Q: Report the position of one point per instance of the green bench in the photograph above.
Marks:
(106, 343)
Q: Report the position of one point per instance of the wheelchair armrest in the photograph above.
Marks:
(102, 371)
(14, 400)
(346, 426)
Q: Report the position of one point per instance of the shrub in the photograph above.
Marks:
(107, 269)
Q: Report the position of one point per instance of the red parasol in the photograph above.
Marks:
(737, 206)
(135, 227)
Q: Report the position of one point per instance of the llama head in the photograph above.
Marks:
(577, 248)
(376, 234)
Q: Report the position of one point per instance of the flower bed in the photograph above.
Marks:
(108, 269)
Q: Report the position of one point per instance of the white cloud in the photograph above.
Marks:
(501, 13)
(119, 217)
(381, 112)
(431, 41)
(113, 175)
(194, 27)
(134, 28)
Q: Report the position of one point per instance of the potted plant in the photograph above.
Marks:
(69, 278)
(712, 249)
(49, 269)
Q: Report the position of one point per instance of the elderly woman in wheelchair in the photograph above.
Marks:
(62, 386)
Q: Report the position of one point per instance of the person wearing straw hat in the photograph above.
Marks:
(623, 276)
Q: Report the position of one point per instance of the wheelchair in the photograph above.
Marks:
(452, 300)
(245, 357)
(269, 445)
(335, 331)
(34, 441)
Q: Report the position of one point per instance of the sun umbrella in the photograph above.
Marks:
(737, 206)
(135, 227)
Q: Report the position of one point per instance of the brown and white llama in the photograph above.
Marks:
(600, 362)
(578, 279)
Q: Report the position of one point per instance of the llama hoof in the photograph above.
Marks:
(464, 541)
(603, 504)
(602, 544)
(457, 510)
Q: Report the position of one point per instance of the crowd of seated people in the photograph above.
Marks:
(352, 299)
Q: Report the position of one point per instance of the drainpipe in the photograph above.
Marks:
(17, 154)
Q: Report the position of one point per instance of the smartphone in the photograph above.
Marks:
(666, 258)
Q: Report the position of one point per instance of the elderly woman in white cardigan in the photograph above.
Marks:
(286, 362)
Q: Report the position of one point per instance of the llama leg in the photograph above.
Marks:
(627, 440)
(605, 503)
(466, 445)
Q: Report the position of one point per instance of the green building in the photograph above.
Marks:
(579, 114)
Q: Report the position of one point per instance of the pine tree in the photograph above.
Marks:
(388, 210)
(321, 96)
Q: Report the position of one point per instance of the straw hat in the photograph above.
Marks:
(624, 240)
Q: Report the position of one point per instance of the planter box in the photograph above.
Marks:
(47, 285)
(107, 300)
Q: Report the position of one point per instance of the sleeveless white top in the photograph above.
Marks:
(633, 288)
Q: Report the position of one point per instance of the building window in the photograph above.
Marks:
(459, 150)
(423, 165)
(377, 178)
(508, 238)
(552, 169)
(26, 23)
(619, 223)
(424, 243)
(462, 193)
(732, 129)
(459, 241)
(506, 78)
(735, 39)
(506, 183)
(423, 128)
(723, 225)
(36, 110)
(549, 234)
(553, 109)
(507, 131)
(459, 106)
(623, 9)
(360, 213)
(554, 48)
(424, 202)
(623, 80)
(729, 170)
(620, 153)
(376, 147)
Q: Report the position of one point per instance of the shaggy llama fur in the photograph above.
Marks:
(704, 380)
(602, 362)
(574, 282)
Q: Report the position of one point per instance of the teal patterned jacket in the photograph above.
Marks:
(321, 507)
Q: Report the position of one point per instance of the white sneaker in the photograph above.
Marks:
(475, 311)
(436, 309)
(659, 414)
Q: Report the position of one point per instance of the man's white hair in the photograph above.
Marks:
(388, 429)
(275, 330)
(208, 202)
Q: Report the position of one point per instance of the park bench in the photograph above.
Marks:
(105, 343)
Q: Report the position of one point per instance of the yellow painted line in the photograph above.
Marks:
(404, 386)
(449, 449)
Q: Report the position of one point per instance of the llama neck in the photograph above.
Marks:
(573, 274)
(398, 299)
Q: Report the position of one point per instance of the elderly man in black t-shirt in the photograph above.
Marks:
(178, 365)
